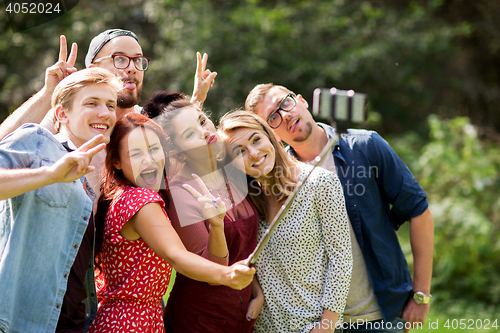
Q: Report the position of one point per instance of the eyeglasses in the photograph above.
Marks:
(121, 61)
(287, 104)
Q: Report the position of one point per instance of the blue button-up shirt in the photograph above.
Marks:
(40, 234)
(380, 195)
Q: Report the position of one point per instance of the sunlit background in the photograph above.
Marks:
(431, 70)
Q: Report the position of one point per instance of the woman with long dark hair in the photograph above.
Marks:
(135, 243)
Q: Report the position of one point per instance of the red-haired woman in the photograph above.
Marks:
(134, 239)
(194, 306)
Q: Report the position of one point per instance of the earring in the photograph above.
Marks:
(180, 157)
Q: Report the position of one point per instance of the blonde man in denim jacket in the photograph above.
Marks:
(46, 223)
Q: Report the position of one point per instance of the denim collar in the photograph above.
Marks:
(66, 142)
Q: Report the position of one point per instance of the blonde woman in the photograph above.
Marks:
(305, 269)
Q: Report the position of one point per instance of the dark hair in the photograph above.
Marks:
(113, 180)
(159, 101)
(171, 111)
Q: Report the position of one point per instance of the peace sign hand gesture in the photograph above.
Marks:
(76, 164)
(214, 209)
(203, 79)
(63, 67)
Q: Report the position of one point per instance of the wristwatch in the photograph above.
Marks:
(420, 298)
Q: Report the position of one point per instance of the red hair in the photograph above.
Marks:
(113, 181)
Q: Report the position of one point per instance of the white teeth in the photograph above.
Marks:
(259, 162)
(98, 126)
(149, 171)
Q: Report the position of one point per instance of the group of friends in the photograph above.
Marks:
(101, 198)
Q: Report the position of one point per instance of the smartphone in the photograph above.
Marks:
(335, 105)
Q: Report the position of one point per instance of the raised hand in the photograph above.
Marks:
(203, 79)
(214, 209)
(76, 164)
(63, 67)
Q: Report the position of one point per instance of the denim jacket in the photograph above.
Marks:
(380, 195)
(40, 234)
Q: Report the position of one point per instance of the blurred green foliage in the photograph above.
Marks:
(461, 176)
(413, 58)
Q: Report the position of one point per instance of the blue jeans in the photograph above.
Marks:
(378, 326)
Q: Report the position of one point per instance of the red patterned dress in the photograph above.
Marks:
(134, 278)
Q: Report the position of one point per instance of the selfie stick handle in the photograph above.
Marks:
(341, 107)
(284, 208)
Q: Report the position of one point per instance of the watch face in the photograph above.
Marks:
(419, 298)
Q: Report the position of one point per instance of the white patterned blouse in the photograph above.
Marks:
(306, 266)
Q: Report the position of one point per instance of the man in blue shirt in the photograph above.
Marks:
(46, 221)
(381, 194)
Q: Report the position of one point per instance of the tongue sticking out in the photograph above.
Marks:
(149, 177)
(129, 85)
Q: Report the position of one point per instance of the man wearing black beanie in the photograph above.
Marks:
(116, 50)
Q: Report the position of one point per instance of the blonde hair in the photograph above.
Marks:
(66, 89)
(258, 93)
(280, 176)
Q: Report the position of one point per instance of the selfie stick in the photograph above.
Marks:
(339, 107)
(284, 208)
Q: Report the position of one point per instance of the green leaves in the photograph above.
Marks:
(461, 176)
(409, 56)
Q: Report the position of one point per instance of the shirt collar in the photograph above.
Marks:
(70, 146)
(329, 130)
(65, 141)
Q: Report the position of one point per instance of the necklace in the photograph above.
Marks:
(223, 194)
(228, 195)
